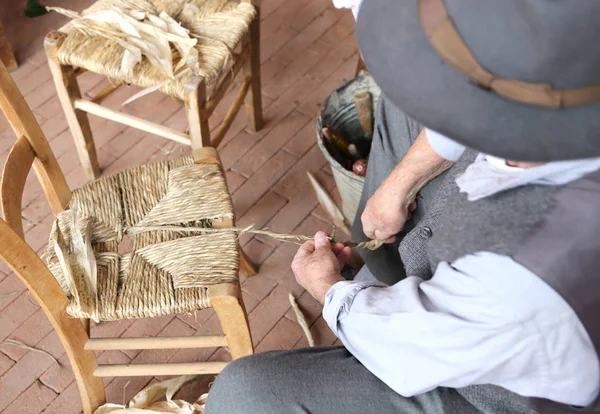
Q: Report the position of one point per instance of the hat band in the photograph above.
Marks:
(447, 42)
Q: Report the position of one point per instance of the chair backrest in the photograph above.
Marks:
(32, 149)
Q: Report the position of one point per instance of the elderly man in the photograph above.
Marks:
(486, 298)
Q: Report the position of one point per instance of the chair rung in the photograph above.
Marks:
(174, 342)
(133, 370)
(132, 121)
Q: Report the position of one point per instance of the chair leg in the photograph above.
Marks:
(195, 112)
(226, 299)
(252, 70)
(247, 267)
(68, 92)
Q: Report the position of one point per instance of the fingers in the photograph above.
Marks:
(306, 249)
(322, 241)
(343, 255)
(337, 248)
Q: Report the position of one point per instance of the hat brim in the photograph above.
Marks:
(411, 74)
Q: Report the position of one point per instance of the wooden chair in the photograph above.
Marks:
(6, 54)
(71, 53)
(63, 310)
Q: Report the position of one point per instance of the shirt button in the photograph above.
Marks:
(426, 232)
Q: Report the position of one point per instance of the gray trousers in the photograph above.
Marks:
(330, 380)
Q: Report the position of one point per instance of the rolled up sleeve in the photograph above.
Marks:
(444, 146)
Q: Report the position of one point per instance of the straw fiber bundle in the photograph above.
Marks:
(156, 43)
(166, 271)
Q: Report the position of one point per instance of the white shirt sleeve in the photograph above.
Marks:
(444, 146)
(354, 5)
(484, 320)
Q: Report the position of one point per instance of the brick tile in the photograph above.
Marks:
(155, 107)
(257, 185)
(236, 148)
(37, 236)
(260, 213)
(270, 144)
(321, 333)
(309, 12)
(54, 126)
(192, 391)
(58, 377)
(34, 400)
(272, 270)
(5, 363)
(340, 32)
(279, 39)
(308, 35)
(33, 189)
(17, 379)
(296, 177)
(197, 319)
(40, 95)
(234, 180)
(31, 82)
(110, 329)
(266, 315)
(302, 141)
(37, 210)
(29, 333)
(310, 307)
(52, 344)
(16, 313)
(258, 251)
(146, 327)
(68, 402)
(269, 6)
(10, 289)
(249, 301)
(111, 358)
(312, 103)
(283, 16)
(283, 336)
(211, 327)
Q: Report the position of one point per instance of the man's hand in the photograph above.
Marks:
(318, 264)
(390, 207)
(386, 212)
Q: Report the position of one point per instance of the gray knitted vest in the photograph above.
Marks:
(554, 231)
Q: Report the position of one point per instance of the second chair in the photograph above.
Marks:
(220, 27)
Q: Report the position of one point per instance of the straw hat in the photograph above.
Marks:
(519, 79)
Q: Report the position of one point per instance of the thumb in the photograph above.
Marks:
(322, 241)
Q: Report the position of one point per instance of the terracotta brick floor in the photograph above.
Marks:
(307, 50)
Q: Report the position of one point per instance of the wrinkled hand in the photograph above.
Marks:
(317, 265)
(386, 213)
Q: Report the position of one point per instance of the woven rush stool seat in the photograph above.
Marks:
(166, 272)
(218, 25)
(191, 50)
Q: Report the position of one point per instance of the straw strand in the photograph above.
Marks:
(288, 238)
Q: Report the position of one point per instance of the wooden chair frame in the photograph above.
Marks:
(32, 150)
(198, 106)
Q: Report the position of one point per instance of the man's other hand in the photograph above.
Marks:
(317, 265)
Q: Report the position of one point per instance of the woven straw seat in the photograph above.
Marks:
(166, 272)
(218, 25)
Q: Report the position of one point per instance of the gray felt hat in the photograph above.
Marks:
(472, 76)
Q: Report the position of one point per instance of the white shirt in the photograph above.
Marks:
(354, 5)
(482, 319)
